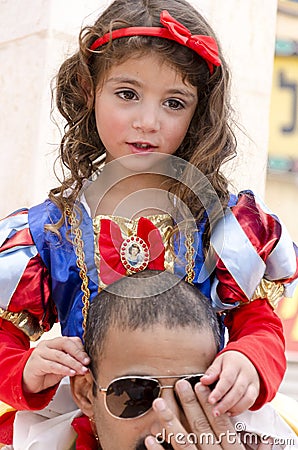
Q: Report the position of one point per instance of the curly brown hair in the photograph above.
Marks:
(209, 141)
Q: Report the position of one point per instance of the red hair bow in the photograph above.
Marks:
(204, 46)
(116, 259)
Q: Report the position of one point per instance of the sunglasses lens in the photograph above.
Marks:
(131, 397)
(193, 380)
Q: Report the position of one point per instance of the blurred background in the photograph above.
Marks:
(260, 42)
(281, 189)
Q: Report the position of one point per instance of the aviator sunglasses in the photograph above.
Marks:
(132, 396)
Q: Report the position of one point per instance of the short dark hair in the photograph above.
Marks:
(157, 298)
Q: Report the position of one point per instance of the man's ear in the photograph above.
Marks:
(81, 388)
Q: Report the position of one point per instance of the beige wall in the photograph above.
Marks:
(35, 35)
(282, 197)
(282, 189)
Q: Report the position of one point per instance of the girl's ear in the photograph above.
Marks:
(82, 392)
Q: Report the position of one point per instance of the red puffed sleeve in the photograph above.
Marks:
(14, 353)
(256, 265)
(251, 245)
(26, 309)
(256, 331)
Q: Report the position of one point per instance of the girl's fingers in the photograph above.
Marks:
(221, 426)
(238, 399)
(55, 360)
(58, 360)
(55, 368)
(244, 403)
(223, 386)
(72, 346)
(69, 352)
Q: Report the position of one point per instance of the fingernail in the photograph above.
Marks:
(84, 369)
(160, 404)
(182, 386)
(201, 388)
(216, 413)
(86, 361)
(150, 440)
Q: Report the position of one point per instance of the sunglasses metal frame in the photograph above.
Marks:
(156, 378)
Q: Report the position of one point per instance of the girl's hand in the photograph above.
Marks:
(52, 360)
(238, 383)
(204, 430)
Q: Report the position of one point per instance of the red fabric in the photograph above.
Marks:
(22, 237)
(205, 46)
(109, 243)
(256, 331)
(14, 353)
(86, 439)
(6, 427)
(262, 230)
(37, 299)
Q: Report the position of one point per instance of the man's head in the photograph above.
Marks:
(151, 324)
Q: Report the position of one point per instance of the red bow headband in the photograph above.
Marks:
(205, 46)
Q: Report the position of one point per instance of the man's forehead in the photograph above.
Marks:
(156, 350)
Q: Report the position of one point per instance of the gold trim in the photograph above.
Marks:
(189, 256)
(25, 322)
(79, 250)
(128, 228)
(270, 290)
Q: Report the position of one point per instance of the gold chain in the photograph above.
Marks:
(79, 250)
(189, 257)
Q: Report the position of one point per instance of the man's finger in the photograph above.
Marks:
(175, 432)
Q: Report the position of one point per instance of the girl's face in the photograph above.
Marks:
(143, 108)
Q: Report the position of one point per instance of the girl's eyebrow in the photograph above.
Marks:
(184, 92)
(124, 79)
(175, 91)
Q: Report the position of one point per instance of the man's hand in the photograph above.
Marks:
(52, 360)
(201, 423)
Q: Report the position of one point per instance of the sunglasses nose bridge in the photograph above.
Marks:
(167, 386)
(167, 392)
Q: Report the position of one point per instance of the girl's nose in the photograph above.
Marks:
(147, 119)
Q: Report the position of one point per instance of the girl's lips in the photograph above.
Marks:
(141, 147)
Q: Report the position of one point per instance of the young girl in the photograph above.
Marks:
(147, 113)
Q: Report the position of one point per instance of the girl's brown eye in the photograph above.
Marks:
(174, 104)
(127, 95)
